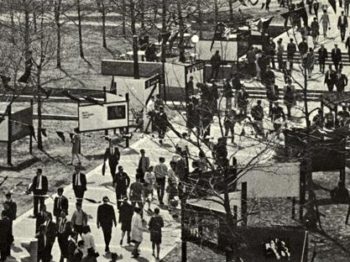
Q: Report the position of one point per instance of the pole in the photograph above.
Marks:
(136, 59)
(183, 206)
(9, 142)
(31, 135)
(127, 116)
(244, 204)
(105, 100)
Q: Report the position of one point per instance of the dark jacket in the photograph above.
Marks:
(44, 186)
(344, 24)
(51, 232)
(336, 54)
(106, 216)
(62, 206)
(341, 82)
(122, 181)
(162, 120)
(40, 219)
(215, 61)
(330, 77)
(322, 55)
(82, 181)
(303, 47)
(12, 209)
(113, 159)
(126, 212)
(347, 43)
(5, 231)
(291, 49)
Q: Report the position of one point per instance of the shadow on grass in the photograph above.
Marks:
(25, 164)
(88, 62)
(73, 78)
(335, 241)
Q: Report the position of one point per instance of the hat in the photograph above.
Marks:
(8, 194)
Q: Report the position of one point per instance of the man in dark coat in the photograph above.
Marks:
(303, 47)
(106, 219)
(215, 62)
(322, 56)
(162, 124)
(126, 212)
(144, 164)
(121, 183)
(291, 49)
(51, 233)
(60, 204)
(39, 188)
(42, 245)
(40, 218)
(79, 184)
(347, 45)
(113, 155)
(336, 57)
(64, 229)
(342, 25)
(341, 82)
(330, 78)
(5, 236)
(10, 208)
(189, 88)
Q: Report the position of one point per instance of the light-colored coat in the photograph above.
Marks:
(136, 228)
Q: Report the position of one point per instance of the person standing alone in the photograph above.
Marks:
(79, 184)
(106, 219)
(39, 188)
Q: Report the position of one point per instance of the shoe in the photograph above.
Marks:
(107, 249)
(121, 242)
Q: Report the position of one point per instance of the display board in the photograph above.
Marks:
(20, 124)
(272, 180)
(228, 50)
(101, 117)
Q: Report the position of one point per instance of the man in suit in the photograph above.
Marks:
(342, 25)
(144, 164)
(11, 213)
(121, 183)
(40, 218)
(330, 78)
(113, 155)
(341, 82)
(60, 203)
(291, 49)
(322, 56)
(336, 56)
(106, 219)
(347, 45)
(42, 245)
(5, 236)
(51, 233)
(39, 188)
(79, 184)
(79, 219)
(64, 229)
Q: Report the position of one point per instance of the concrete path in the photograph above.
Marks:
(99, 186)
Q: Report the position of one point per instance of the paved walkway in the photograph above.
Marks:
(99, 186)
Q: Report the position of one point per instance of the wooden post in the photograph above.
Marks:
(136, 59)
(293, 208)
(31, 135)
(9, 142)
(244, 204)
(105, 100)
(302, 190)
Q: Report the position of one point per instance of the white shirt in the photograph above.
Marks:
(89, 242)
(77, 179)
(150, 106)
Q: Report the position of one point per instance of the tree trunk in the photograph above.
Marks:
(81, 50)
(135, 44)
(155, 11)
(58, 4)
(142, 9)
(200, 21)
(216, 11)
(27, 31)
(123, 17)
(230, 2)
(13, 30)
(181, 32)
(164, 14)
(103, 13)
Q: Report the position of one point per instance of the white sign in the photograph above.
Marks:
(273, 180)
(4, 129)
(101, 117)
(228, 50)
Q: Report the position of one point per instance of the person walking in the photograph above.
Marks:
(155, 227)
(40, 218)
(310, 4)
(136, 193)
(79, 219)
(5, 237)
(257, 113)
(251, 61)
(336, 57)
(341, 82)
(42, 245)
(322, 56)
(89, 240)
(271, 52)
(280, 51)
(144, 164)
(79, 184)
(215, 62)
(39, 187)
(325, 23)
(315, 31)
(76, 145)
(112, 154)
(106, 219)
(330, 78)
(346, 7)
(347, 45)
(342, 25)
(126, 212)
(64, 230)
(228, 93)
(316, 6)
(161, 172)
(289, 98)
(60, 203)
(121, 183)
(11, 214)
(161, 121)
(51, 234)
(136, 231)
(310, 62)
(150, 182)
(291, 49)
(229, 124)
(303, 48)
